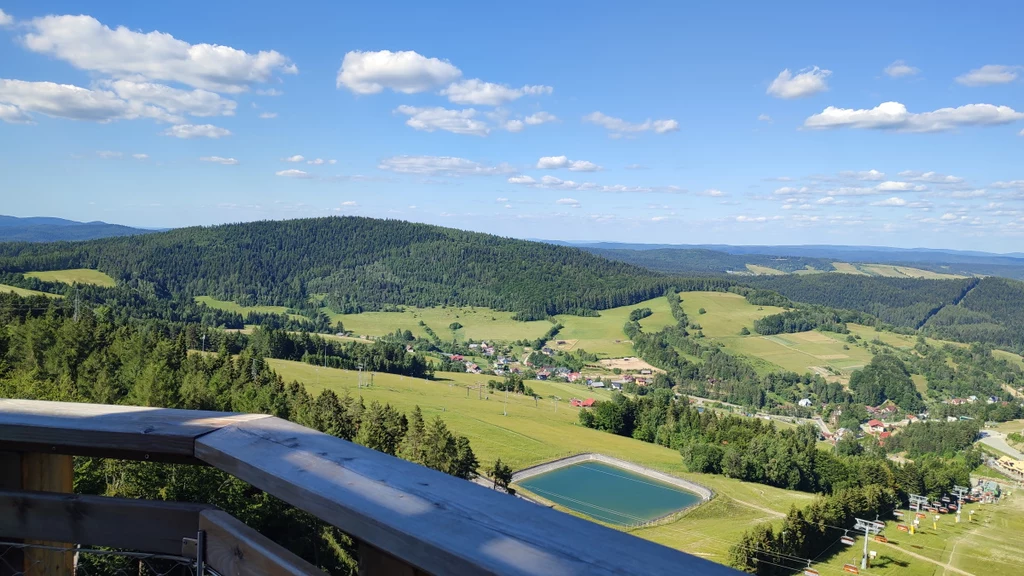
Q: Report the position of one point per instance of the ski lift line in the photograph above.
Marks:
(677, 530)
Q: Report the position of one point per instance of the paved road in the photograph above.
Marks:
(997, 440)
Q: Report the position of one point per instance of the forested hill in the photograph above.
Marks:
(13, 229)
(989, 310)
(354, 264)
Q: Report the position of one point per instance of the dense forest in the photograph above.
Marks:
(352, 264)
(48, 352)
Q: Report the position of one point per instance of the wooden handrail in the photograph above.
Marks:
(433, 522)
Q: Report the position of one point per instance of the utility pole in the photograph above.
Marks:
(506, 400)
(359, 383)
(869, 527)
(204, 342)
(76, 305)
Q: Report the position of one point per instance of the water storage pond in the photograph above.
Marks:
(609, 494)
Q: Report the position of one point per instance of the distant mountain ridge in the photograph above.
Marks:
(46, 229)
(721, 259)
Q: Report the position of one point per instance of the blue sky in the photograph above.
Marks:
(744, 123)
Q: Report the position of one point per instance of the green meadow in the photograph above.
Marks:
(75, 276)
(26, 291)
(229, 306)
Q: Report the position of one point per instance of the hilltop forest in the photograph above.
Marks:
(351, 265)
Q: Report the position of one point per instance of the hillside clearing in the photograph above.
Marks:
(229, 306)
(74, 276)
(26, 291)
(725, 313)
(758, 269)
(603, 335)
(478, 323)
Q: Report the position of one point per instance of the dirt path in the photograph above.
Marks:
(768, 511)
(927, 559)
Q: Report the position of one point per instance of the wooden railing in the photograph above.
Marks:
(407, 519)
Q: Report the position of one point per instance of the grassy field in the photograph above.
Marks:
(802, 352)
(26, 292)
(78, 275)
(989, 545)
(533, 433)
(477, 323)
(229, 306)
(757, 269)
(603, 335)
(844, 268)
(726, 313)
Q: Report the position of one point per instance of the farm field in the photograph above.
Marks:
(846, 268)
(26, 291)
(603, 335)
(727, 313)
(229, 306)
(77, 275)
(802, 352)
(478, 323)
(535, 433)
(758, 269)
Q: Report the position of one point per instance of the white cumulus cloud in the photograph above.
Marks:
(568, 202)
(5, 19)
(196, 131)
(554, 162)
(295, 158)
(193, 102)
(480, 93)
(931, 177)
(268, 115)
(293, 173)
(438, 118)
(895, 201)
(440, 165)
(219, 160)
(806, 82)
(899, 69)
(108, 154)
(407, 72)
(989, 74)
(539, 118)
(20, 98)
(87, 44)
(140, 156)
(764, 118)
(892, 186)
(315, 162)
(894, 116)
(620, 126)
(863, 174)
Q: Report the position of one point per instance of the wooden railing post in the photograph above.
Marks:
(10, 479)
(47, 473)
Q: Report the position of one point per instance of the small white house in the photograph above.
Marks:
(805, 402)
(597, 385)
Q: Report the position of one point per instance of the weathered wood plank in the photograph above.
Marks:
(128, 432)
(234, 549)
(373, 562)
(52, 473)
(143, 525)
(437, 523)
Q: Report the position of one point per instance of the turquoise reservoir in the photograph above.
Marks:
(609, 494)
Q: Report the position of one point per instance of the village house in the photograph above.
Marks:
(875, 426)
(581, 403)
(805, 402)
(573, 376)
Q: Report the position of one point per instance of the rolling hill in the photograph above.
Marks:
(351, 264)
(41, 229)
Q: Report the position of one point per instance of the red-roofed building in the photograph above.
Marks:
(581, 403)
(875, 426)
